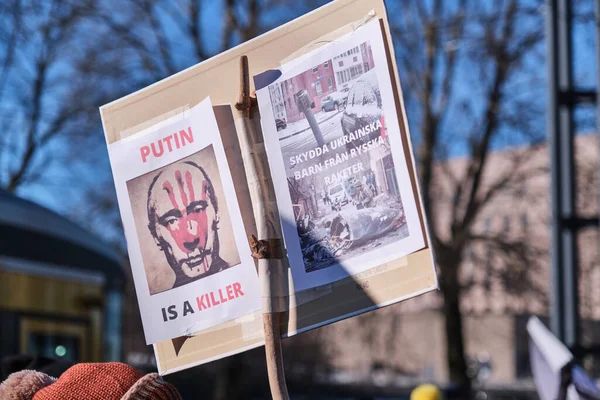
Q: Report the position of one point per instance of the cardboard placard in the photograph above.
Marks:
(377, 287)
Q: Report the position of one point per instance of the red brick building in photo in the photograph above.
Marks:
(319, 81)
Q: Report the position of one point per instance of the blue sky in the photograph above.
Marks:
(64, 194)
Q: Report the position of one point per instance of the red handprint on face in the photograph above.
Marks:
(183, 219)
(187, 221)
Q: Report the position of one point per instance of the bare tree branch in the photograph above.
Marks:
(163, 45)
(462, 113)
(194, 28)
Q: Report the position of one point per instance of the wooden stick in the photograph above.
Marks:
(268, 249)
(274, 356)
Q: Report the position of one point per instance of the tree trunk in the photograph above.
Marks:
(455, 347)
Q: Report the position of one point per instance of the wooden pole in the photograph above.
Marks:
(268, 249)
(274, 356)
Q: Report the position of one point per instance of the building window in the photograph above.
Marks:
(488, 263)
(315, 69)
(524, 222)
(355, 71)
(326, 64)
(329, 83)
(355, 59)
(341, 63)
(366, 67)
(469, 254)
(522, 189)
(318, 88)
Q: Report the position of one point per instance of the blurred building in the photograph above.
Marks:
(406, 342)
(60, 286)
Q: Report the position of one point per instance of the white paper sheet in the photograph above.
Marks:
(189, 255)
(344, 197)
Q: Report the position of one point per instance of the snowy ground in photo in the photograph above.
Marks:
(304, 140)
(301, 125)
(372, 245)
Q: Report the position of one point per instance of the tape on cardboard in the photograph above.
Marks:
(266, 78)
(158, 122)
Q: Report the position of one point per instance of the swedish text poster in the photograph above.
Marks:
(339, 169)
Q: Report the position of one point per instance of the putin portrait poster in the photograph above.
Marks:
(190, 259)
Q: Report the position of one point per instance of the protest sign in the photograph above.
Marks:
(185, 237)
(342, 182)
(410, 272)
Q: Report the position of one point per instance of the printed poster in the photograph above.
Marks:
(339, 169)
(190, 258)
